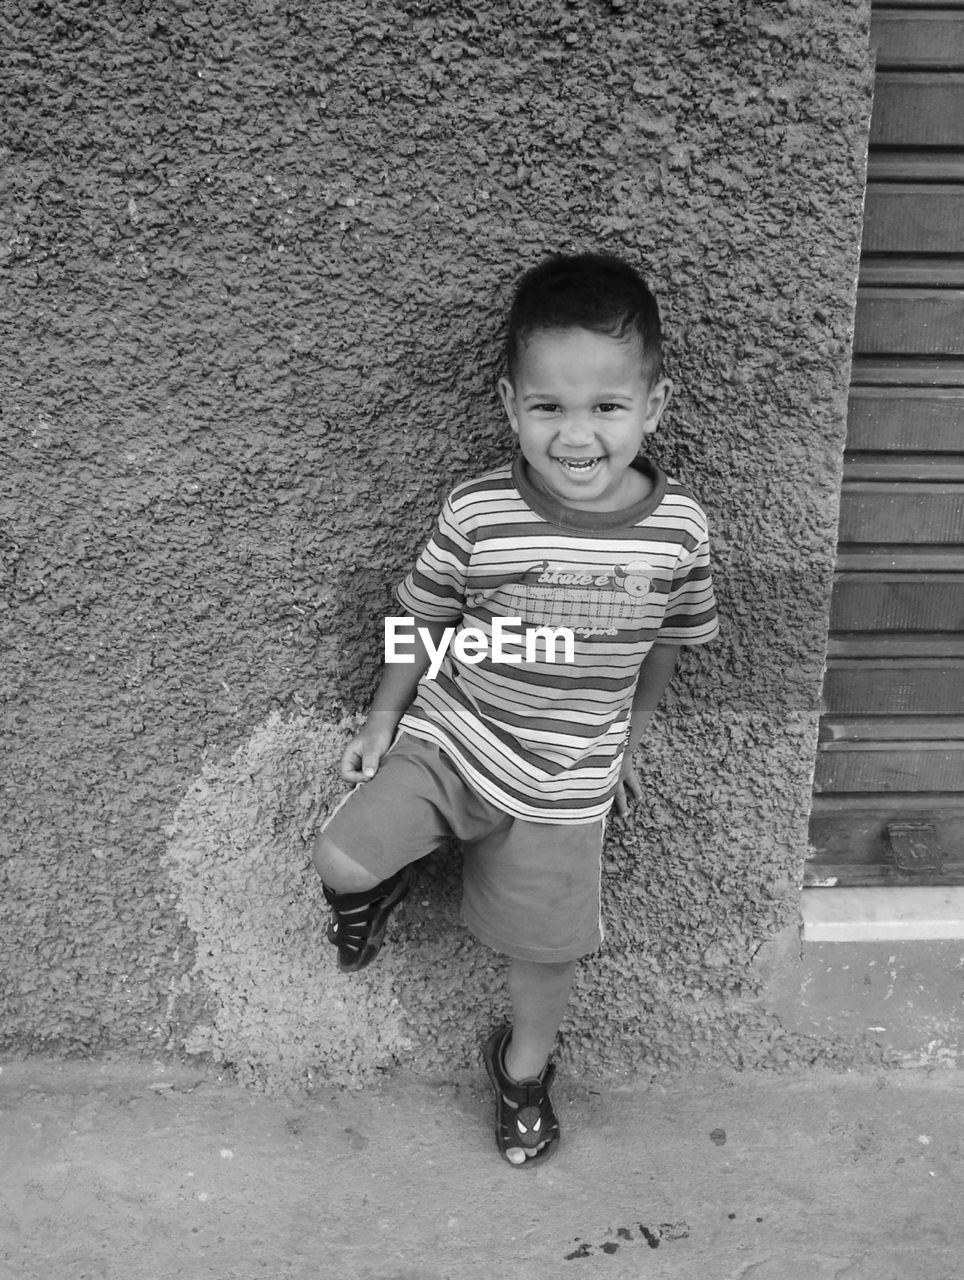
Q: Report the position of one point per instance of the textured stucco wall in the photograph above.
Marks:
(255, 258)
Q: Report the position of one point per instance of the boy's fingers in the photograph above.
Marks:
(360, 761)
(351, 763)
(370, 761)
(628, 788)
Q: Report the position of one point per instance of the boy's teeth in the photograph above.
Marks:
(582, 464)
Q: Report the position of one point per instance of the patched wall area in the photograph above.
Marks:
(255, 261)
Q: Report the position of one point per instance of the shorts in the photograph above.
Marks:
(530, 890)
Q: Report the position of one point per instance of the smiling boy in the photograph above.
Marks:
(520, 756)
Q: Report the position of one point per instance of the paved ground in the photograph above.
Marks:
(151, 1173)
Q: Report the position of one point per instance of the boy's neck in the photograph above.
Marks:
(646, 496)
(639, 486)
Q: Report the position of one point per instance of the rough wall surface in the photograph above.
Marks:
(255, 258)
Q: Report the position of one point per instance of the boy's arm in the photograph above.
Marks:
(655, 673)
(395, 692)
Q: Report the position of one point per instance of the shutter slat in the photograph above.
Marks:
(898, 602)
(901, 688)
(914, 466)
(933, 40)
(880, 767)
(927, 322)
(908, 273)
(906, 372)
(896, 728)
(852, 558)
(919, 645)
(916, 109)
(914, 166)
(912, 218)
(848, 835)
(931, 421)
(914, 513)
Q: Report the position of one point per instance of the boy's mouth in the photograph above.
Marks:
(580, 466)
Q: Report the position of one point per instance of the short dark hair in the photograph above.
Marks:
(595, 291)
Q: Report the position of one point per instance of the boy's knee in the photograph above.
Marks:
(340, 872)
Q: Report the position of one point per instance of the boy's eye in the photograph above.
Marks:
(608, 407)
(547, 407)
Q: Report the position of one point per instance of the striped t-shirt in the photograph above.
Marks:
(543, 739)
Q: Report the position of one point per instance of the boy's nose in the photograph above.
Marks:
(576, 430)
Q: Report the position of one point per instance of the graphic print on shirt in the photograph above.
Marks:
(542, 738)
(590, 602)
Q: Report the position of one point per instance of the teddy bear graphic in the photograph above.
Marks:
(634, 578)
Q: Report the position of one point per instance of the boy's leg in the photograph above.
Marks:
(338, 870)
(517, 1059)
(539, 995)
(531, 891)
(364, 853)
(361, 904)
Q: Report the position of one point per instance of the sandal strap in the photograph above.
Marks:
(352, 903)
(358, 919)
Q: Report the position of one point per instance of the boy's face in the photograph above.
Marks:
(581, 404)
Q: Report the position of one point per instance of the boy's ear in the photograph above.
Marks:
(660, 394)
(507, 396)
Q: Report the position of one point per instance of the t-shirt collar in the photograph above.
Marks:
(558, 513)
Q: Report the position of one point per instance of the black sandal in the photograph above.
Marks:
(358, 920)
(524, 1115)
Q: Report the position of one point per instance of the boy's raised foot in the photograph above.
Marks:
(359, 920)
(526, 1126)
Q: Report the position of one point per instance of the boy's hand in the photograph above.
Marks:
(363, 754)
(628, 787)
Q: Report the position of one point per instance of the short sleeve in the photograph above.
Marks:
(435, 589)
(691, 615)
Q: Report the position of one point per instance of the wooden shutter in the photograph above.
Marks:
(889, 785)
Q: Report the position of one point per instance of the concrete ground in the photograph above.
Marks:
(149, 1172)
